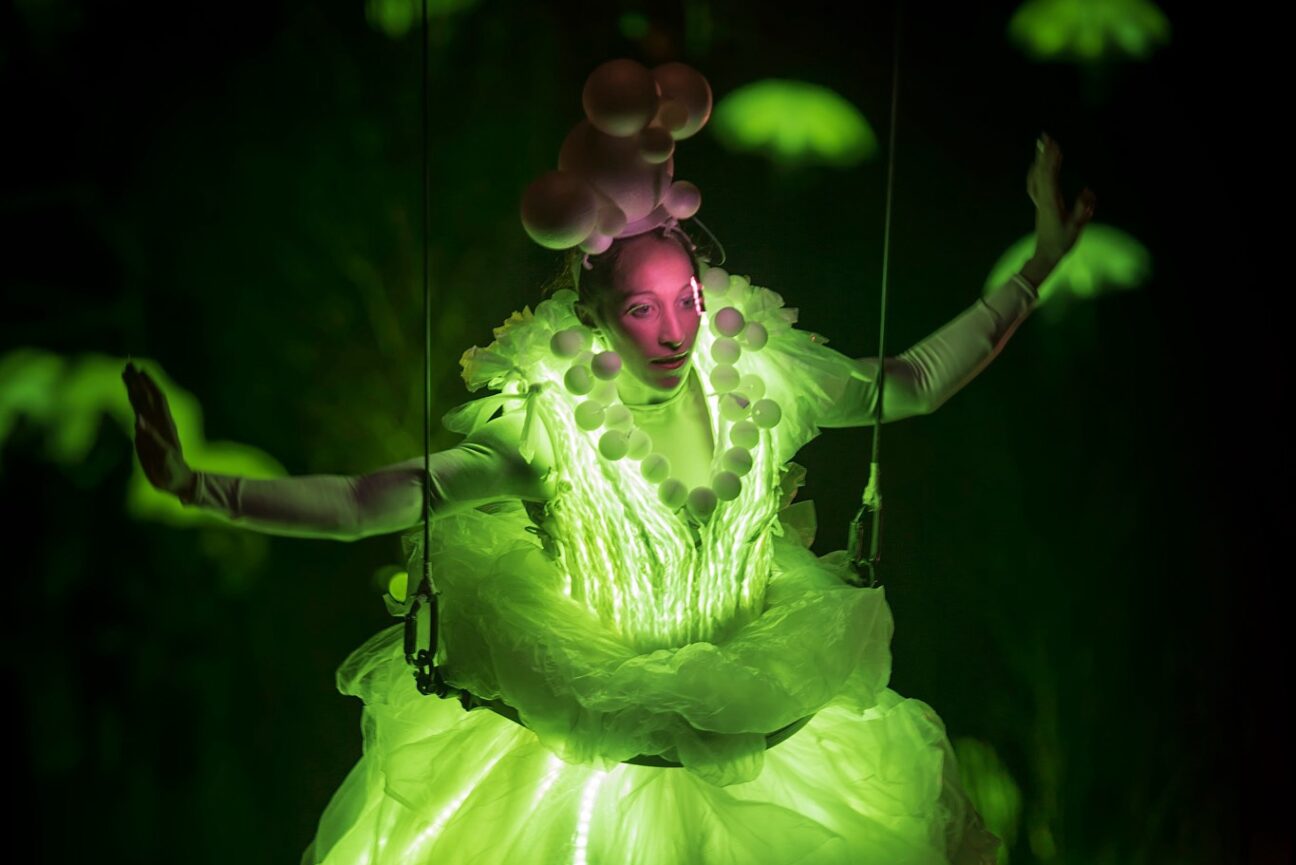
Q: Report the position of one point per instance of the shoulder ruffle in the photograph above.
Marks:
(802, 374)
(521, 345)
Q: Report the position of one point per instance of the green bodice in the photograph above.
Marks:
(662, 575)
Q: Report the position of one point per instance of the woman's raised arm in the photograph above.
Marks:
(485, 466)
(921, 379)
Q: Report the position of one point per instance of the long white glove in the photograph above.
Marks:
(921, 379)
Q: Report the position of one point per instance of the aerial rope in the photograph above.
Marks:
(871, 500)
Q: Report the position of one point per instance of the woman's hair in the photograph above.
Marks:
(593, 283)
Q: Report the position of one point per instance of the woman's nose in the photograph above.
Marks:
(673, 331)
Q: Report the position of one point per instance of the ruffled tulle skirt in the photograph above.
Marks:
(870, 778)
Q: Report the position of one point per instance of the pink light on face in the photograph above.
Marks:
(653, 314)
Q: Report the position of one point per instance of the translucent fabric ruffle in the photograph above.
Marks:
(870, 778)
(509, 632)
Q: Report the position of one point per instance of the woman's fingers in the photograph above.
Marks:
(150, 404)
(161, 409)
(138, 400)
(159, 457)
(1042, 179)
(1050, 167)
(1086, 203)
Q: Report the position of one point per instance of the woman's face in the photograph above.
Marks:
(650, 315)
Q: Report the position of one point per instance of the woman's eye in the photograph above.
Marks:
(638, 311)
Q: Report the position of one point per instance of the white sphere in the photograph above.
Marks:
(744, 434)
(611, 220)
(614, 444)
(655, 145)
(733, 407)
(681, 83)
(726, 350)
(766, 413)
(702, 502)
(559, 209)
(618, 416)
(604, 391)
(672, 493)
(672, 114)
(715, 280)
(728, 322)
(724, 378)
(640, 444)
(589, 415)
(596, 243)
(752, 386)
(578, 380)
(606, 365)
(620, 97)
(726, 486)
(737, 460)
(755, 335)
(682, 199)
(568, 342)
(655, 468)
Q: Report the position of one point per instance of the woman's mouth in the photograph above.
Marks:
(669, 363)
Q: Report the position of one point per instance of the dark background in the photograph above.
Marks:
(1079, 546)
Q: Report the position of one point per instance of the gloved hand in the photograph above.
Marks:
(156, 440)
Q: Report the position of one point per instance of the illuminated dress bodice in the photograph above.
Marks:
(663, 575)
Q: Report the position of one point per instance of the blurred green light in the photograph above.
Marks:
(633, 25)
(396, 17)
(1105, 259)
(991, 789)
(398, 585)
(1088, 30)
(795, 123)
(68, 398)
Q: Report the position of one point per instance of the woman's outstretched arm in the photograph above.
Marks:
(483, 467)
(920, 380)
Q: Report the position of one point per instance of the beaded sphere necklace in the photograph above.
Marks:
(739, 399)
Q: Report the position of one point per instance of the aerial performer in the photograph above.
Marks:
(652, 666)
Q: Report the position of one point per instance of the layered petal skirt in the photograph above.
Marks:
(870, 778)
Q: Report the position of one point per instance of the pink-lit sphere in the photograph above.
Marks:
(656, 144)
(683, 199)
(559, 210)
(596, 243)
(620, 97)
(682, 83)
(615, 168)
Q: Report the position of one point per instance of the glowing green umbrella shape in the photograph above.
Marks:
(795, 123)
(992, 790)
(1088, 30)
(69, 397)
(1105, 259)
(396, 17)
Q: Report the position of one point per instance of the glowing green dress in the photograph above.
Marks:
(618, 626)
